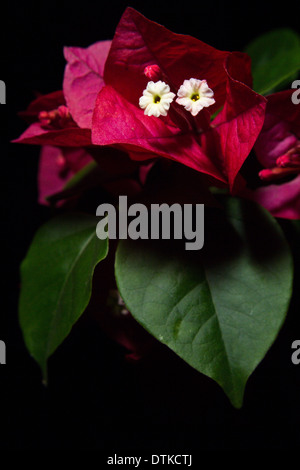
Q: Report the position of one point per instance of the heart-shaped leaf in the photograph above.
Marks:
(56, 278)
(219, 309)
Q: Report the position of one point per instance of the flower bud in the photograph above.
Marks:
(152, 72)
(290, 159)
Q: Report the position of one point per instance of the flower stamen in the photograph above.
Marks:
(195, 97)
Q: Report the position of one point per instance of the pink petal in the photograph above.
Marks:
(69, 137)
(57, 166)
(50, 181)
(83, 79)
(282, 200)
(116, 121)
(281, 129)
(76, 158)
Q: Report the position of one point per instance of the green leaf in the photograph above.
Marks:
(275, 59)
(296, 225)
(81, 175)
(56, 279)
(220, 308)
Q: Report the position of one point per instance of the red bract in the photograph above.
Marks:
(217, 148)
(63, 152)
(103, 84)
(64, 118)
(278, 150)
(67, 149)
(61, 121)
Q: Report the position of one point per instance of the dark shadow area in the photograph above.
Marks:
(97, 399)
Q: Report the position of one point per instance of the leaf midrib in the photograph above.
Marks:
(57, 306)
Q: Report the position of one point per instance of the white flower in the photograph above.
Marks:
(195, 95)
(156, 99)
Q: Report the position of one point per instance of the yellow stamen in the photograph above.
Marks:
(195, 97)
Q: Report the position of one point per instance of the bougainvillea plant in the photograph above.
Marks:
(163, 118)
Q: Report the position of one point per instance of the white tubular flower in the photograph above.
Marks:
(156, 99)
(195, 95)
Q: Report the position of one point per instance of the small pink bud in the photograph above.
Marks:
(43, 115)
(61, 162)
(44, 118)
(56, 118)
(63, 112)
(276, 173)
(283, 161)
(266, 175)
(290, 159)
(152, 72)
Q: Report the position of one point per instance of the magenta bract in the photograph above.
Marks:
(217, 148)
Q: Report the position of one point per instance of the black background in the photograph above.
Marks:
(96, 400)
